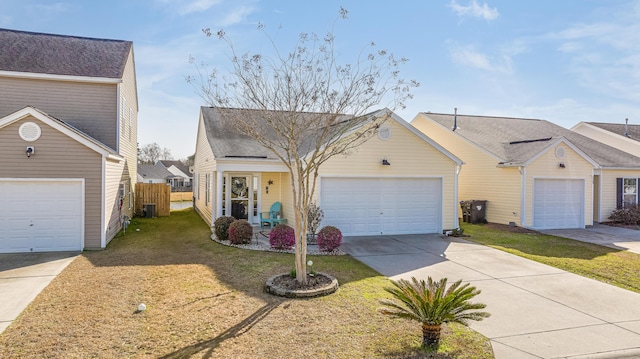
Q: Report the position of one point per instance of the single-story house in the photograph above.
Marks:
(154, 174)
(533, 173)
(181, 174)
(68, 135)
(399, 181)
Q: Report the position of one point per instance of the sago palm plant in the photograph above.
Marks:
(433, 304)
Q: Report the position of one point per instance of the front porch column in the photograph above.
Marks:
(218, 205)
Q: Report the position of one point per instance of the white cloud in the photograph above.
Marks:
(475, 10)
(502, 62)
(237, 15)
(197, 6)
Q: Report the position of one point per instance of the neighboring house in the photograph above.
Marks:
(621, 136)
(181, 180)
(154, 174)
(533, 173)
(68, 135)
(414, 193)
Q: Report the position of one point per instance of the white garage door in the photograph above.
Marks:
(40, 216)
(558, 203)
(374, 206)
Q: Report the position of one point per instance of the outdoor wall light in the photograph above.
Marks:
(385, 162)
(267, 189)
(269, 183)
(30, 151)
(561, 165)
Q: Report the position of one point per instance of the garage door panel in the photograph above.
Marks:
(393, 205)
(43, 216)
(558, 203)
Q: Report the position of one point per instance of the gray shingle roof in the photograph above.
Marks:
(62, 55)
(179, 165)
(619, 129)
(154, 172)
(227, 142)
(516, 140)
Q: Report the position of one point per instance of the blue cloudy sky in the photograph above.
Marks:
(564, 61)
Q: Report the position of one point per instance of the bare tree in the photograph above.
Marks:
(152, 153)
(305, 107)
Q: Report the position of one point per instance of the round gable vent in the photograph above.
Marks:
(29, 131)
(384, 133)
(559, 151)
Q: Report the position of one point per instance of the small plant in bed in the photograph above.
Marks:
(329, 239)
(221, 227)
(282, 237)
(240, 232)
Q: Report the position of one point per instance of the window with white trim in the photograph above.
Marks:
(629, 192)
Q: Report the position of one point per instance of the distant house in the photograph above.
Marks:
(181, 180)
(399, 181)
(154, 174)
(68, 135)
(622, 136)
(532, 172)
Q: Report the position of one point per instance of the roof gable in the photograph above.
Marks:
(225, 142)
(39, 53)
(63, 127)
(516, 140)
(154, 172)
(619, 129)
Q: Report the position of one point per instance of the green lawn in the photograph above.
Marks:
(206, 300)
(619, 268)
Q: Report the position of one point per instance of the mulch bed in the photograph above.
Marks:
(313, 282)
(508, 228)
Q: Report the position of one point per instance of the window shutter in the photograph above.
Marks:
(618, 193)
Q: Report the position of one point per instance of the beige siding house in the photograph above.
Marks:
(68, 140)
(532, 173)
(413, 191)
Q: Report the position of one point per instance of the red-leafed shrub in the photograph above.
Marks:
(329, 239)
(221, 227)
(282, 237)
(240, 232)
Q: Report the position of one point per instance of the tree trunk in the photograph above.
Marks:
(301, 227)
(430, 335)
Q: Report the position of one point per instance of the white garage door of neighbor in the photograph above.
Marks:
(558, 203)
(40, 216)
(374, 206)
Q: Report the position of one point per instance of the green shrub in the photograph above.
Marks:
(221, 227)
(240, 232)
(626, 215)
(329, 239)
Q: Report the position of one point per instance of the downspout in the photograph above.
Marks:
(118, 119)
(523, 196)
(456, 221)
(103, 204)
(219, 179)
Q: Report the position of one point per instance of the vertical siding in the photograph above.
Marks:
(547, 166)
(480, 178)
(92, 108)
(56, 156)
(204, 163)
(128, 136)
(409, 155)
(113, 213)
(608, 188)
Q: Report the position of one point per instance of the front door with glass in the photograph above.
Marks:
(240, 193)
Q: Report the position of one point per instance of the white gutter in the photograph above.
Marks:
(523, 194)
(52, 77)
(456, 222)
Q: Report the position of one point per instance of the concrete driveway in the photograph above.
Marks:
(609, 236)
(537, 311)
(23, 276)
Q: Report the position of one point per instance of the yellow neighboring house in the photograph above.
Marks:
(533, 173)
(398, 182)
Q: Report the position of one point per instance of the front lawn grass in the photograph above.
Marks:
(207, 300)
(619, 268)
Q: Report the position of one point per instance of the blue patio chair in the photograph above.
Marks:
(271, 217)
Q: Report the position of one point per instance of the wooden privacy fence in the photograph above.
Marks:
(181, 196)
(153, 193)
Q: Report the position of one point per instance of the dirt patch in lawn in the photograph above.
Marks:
(206, 300)
(507, 228)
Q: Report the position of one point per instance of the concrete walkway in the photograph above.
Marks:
(609, 236)
(23, 276)
(537, 311)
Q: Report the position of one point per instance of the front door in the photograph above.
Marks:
(240, 192)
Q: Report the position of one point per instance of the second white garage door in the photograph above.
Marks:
(375, 206)
(40, 216)
(558, 203)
